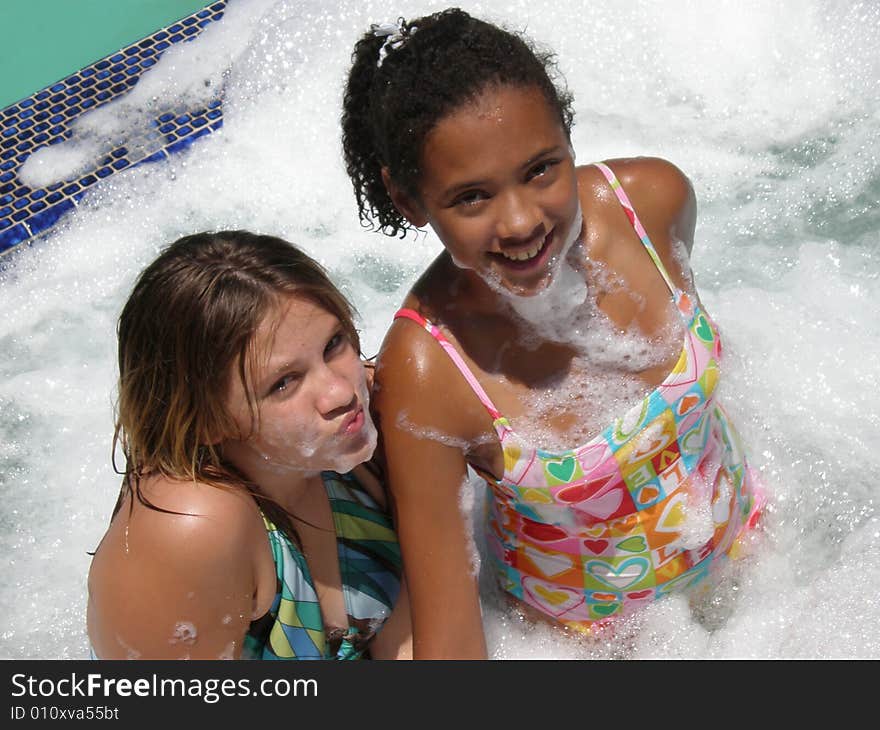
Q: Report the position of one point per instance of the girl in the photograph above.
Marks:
(248, 524)
(556, 346)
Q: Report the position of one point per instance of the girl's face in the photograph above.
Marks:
(311, 397)
(499, 188)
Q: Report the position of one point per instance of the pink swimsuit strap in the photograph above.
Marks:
(471, 379)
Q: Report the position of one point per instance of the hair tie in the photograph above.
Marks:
(394, 37)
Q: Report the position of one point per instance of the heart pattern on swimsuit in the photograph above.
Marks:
(562, 470)
(552, 599)
(620, 577)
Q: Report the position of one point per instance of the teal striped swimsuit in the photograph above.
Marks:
(370, 565)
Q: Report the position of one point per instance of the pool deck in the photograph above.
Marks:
(47, 116)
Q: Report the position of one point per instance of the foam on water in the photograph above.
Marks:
(771, 109)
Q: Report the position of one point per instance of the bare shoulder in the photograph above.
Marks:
(178, 579)
(655, 181)
(662, 195)
(193, 510)
(415, 375)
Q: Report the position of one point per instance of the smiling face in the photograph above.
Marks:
(498, 186)
(310, 394)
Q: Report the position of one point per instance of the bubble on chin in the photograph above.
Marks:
(552, 308)
(342, 463)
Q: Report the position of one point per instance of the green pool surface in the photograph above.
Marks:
(45, 40)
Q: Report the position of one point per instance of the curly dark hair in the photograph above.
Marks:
(444, 61)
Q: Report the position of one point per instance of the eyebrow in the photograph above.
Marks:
(478, 183)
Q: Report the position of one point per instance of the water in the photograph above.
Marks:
(771, 109)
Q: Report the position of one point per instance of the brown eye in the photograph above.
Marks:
(335, 342)
(285, 384)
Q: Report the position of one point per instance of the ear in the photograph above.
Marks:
(408, 206)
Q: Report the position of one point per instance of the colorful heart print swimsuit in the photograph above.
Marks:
(594, 532)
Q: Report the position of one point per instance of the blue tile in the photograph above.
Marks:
(47, 218)
(12, 237)
(43, 120)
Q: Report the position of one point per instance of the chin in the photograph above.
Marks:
(345, 462)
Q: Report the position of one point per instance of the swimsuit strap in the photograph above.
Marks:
(471, 379)
(637, 225)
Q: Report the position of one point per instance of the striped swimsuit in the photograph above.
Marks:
(370, 566)
(644, 508)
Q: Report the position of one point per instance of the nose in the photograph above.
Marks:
(336, 394)
(519, 218)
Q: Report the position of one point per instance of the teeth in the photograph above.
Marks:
(524, 255)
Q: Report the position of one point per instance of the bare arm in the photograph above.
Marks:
(423, 450)
(165, 586)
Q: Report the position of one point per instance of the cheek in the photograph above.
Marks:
(285, 429)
